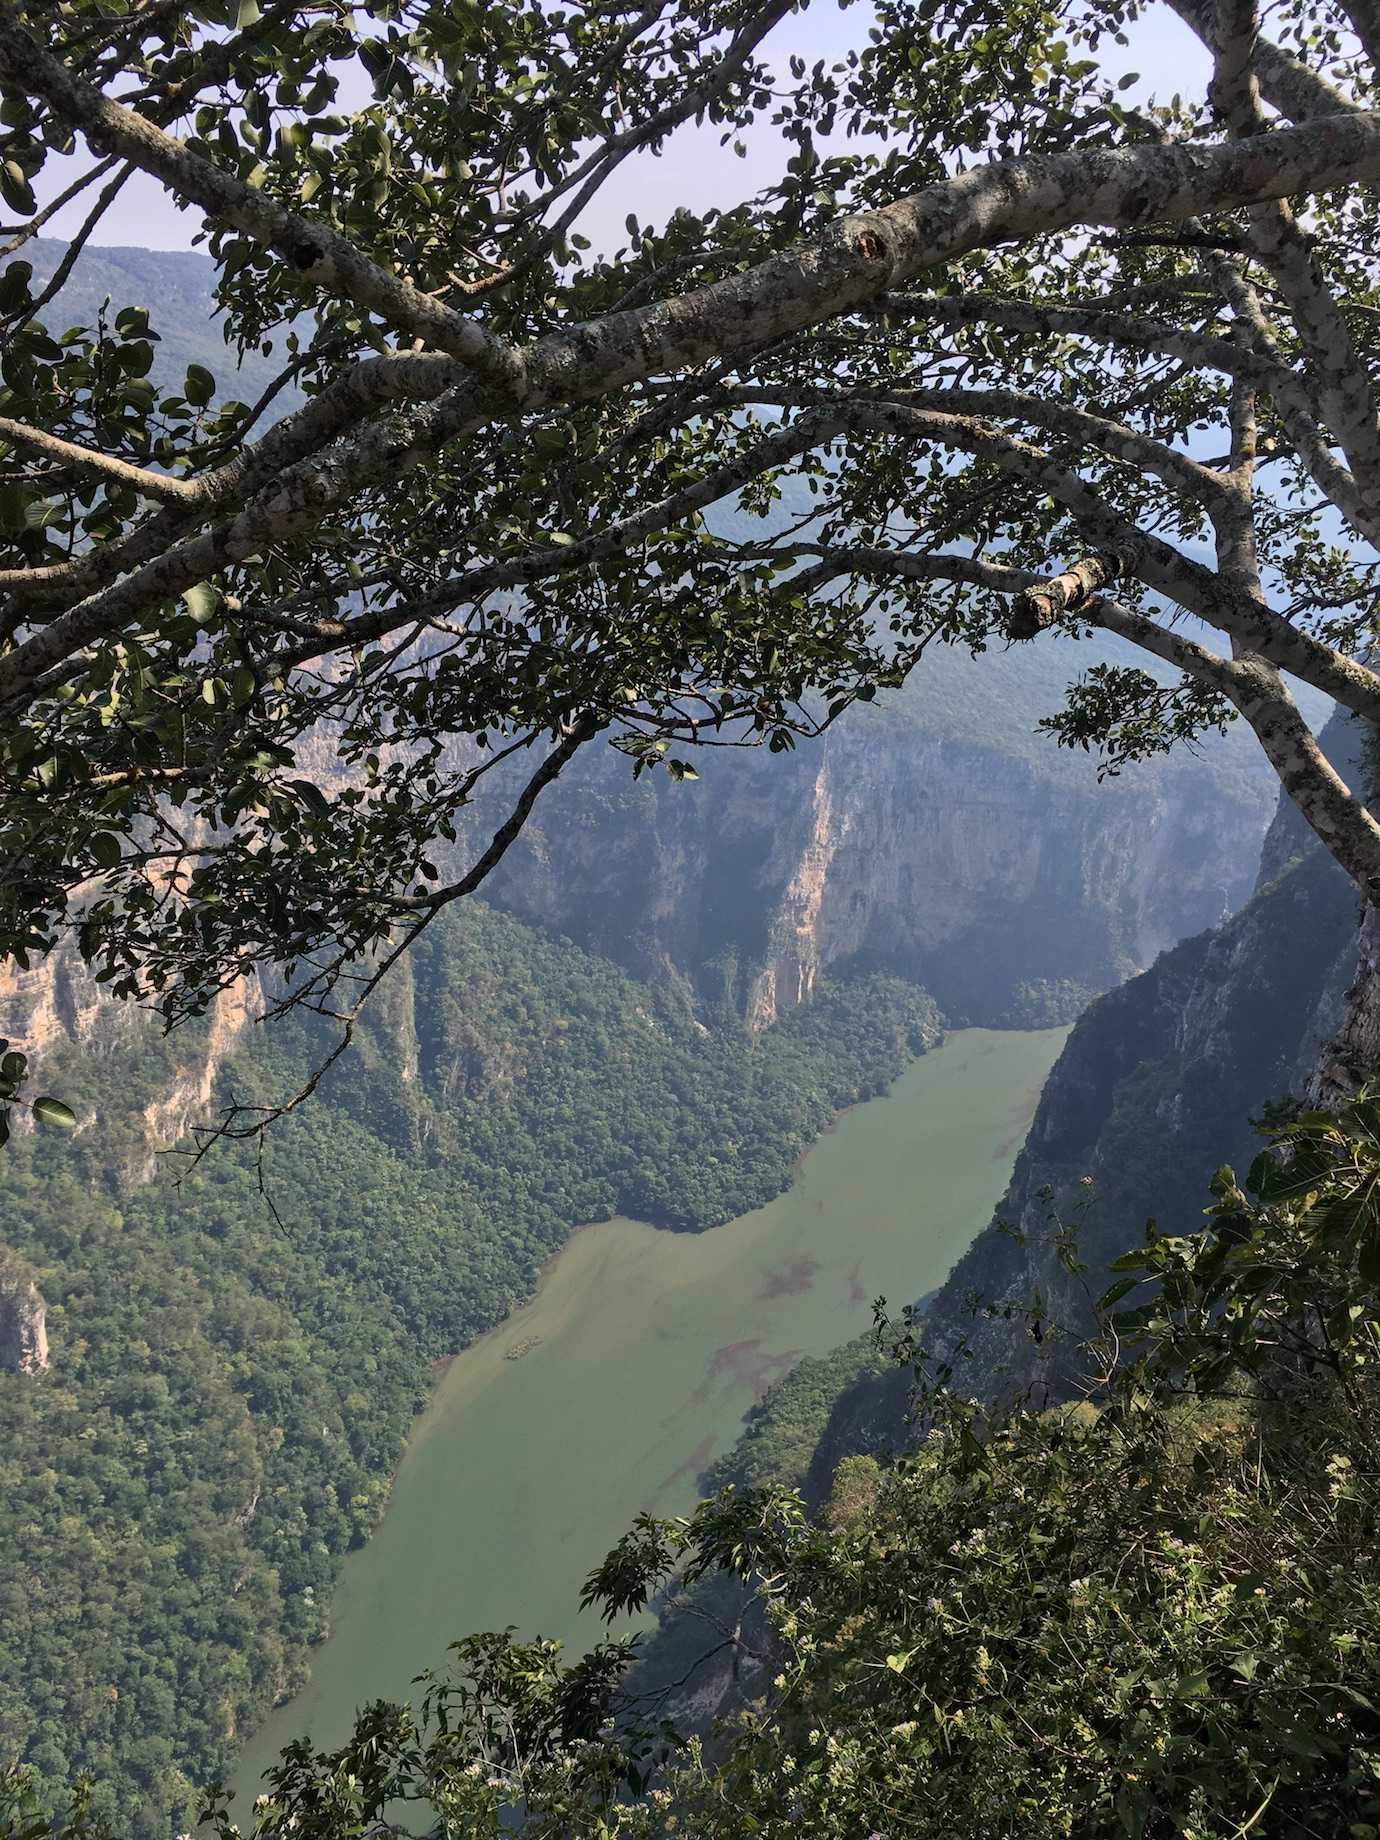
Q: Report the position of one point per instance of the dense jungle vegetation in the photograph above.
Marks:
(228, 1395)
(1154, 1613)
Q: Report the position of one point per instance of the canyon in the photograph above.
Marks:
(936, 834)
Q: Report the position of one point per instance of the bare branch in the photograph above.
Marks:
(1346, 400)
(152, 485)
(57, 280)
(1235, 90)
(1038, 607)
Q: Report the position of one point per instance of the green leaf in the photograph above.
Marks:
(201, 601)
(48, 1110)
(16, 190)
(311, 796)
(200, 385)
(1117, 1292)
(14, 503)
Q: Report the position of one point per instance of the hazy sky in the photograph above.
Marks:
(693, 170)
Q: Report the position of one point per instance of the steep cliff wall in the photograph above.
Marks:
(1156, 1087)
(23, 1318)
(140, 1089)
(937, 836)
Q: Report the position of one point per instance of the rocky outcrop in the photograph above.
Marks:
(56, 1001)
(1156, 1087)
(76, 1038)
(998, 873)
(186, 1097)
(23, 1318)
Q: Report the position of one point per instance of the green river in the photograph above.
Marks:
(644, 1349)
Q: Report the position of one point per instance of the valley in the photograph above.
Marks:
(689, 921)
(643, 1351)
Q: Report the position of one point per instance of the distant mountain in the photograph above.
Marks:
(177, 288)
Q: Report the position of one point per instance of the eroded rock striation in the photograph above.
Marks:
(23, 1318)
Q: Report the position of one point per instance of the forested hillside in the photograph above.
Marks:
(227, 1395)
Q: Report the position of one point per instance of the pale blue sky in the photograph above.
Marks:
(693, 170)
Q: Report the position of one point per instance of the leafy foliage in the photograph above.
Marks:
(528, 501)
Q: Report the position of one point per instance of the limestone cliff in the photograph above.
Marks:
(56, 1007)
(935, 835)
(23, 1313)
(1156, 1087)
(930, 837)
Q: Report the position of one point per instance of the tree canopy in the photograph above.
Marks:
(1041, 359)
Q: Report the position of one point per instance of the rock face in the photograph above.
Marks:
(23, 1319)
(997, 873)
(55, 1005)
(1156, 1088)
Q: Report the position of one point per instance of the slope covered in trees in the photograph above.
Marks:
(228, 1395)
(1154, 1614)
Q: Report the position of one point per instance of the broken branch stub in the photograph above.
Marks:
(1036, 608)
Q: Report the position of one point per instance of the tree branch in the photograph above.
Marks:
(321, 256)
(1036, 608)
(1151, 560)
(1261, 367)
(1286, 83)
(852, 262)
(152, 485)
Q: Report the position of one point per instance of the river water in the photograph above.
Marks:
(643, 1351)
